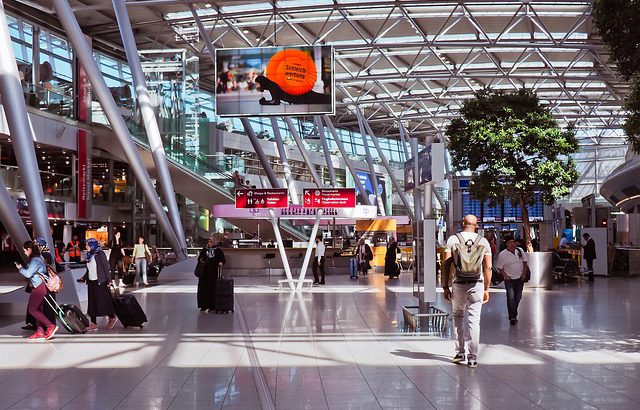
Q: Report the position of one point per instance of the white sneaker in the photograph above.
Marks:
(121, 284)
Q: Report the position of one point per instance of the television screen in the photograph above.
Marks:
(274, 81)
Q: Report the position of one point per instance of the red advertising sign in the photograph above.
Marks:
(85, 178)
(329, 198)
(262, 198)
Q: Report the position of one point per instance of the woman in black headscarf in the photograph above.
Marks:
(212, 258)
(100, 302)
(390, 262)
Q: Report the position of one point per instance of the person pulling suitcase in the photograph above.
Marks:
(212, 259)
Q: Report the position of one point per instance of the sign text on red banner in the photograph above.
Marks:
(262, 198)
(329, 198)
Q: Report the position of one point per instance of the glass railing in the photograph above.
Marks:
(176, 150)
(48, 100)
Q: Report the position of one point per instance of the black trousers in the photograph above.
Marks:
(314, 269)
(116, 266)
(590, 267)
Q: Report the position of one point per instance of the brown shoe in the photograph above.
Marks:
(111, 323)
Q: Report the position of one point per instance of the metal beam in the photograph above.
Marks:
(417, 207)
(111, 110)
(15, 111)
(303, 152)
(394, 180)
(293, 194)
(11, 219)
(325, 148)
(204, 34)
(373, 178)
(363, 195)
(149, 118)
(264, 161)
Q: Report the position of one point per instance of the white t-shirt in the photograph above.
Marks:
(453, 239)
(512, 263)
(93, 269)
(320, 250)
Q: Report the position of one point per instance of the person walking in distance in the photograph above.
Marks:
(36, 272)
(364, 256)
(468, 257)
(589, 253)
(115, 259)
(318, 262)
(512, 264)
(140, 253)
(74, 251)
(212, 258)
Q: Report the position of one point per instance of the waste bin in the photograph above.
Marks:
(541, 267)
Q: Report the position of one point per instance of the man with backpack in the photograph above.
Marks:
(512, 264)
(467, 268)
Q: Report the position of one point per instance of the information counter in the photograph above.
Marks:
(267, 261)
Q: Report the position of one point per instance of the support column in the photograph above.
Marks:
(293, 194)
(307, 255)
(21, 136)
(417, 207)
(85, 55)
(149, 118)
(11, 219)
(325, 148)
(387, 166)
(347, 161)
(281, 249)
(303, 152)
(260, 152)
(204, 34)
(372, 173)
(403, 141)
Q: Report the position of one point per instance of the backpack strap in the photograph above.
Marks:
(460, 238)
(478, 239)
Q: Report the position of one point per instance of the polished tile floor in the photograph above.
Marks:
(337, 347)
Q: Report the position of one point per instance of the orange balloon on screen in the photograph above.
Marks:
(293, 70)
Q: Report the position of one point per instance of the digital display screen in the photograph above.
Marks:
(274, 81)
(470, 205)
(491, 213)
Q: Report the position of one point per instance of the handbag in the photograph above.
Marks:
(147, 255)
(54, 282)
(199, 271)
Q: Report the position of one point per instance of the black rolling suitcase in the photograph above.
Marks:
(223, 301)
(128, 310)
(69, 316)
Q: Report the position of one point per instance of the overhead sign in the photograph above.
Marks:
(262, 198)
(274, 81)
(294, 212)
(329, 198)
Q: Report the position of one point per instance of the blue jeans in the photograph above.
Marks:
(514, 294)
(141, 269)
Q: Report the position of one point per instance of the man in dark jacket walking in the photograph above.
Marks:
(589, 253)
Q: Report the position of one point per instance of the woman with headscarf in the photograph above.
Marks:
(390, 259)
(213, 258)
(100, 302)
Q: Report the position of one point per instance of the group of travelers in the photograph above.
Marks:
(100, 276)
(240, 181)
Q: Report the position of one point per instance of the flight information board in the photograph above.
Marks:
(470, 205)
(512, 213)
(491, 213)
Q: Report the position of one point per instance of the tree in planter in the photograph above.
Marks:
(514, 148)
(617, 21)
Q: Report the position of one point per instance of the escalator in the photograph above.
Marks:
(193, 177)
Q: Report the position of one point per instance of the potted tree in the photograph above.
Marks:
(514, 149)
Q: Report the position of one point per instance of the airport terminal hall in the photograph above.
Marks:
(319, 204)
